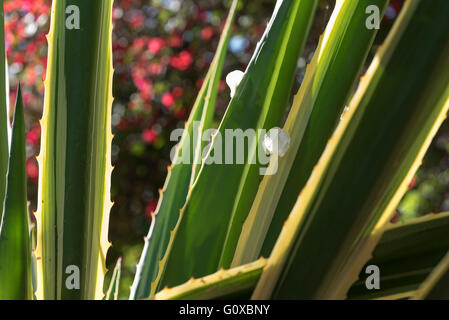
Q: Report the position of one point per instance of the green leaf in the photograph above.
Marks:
(181, 173)
(297, 24)
(4, 120)
(405, 255)
(222, 194)
(435, 286)
(75, 166)
(212, 89)
(112, 293)
(224, 284)
(15, 248)
(368, 163)
(34, 277)
(328, 83)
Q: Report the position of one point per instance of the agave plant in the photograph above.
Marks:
(307, 229)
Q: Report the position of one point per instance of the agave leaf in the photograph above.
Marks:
(15, 249)
(328, 83)
(435, 286)
(212, 89)
(75, 166)
(220, 285)
(112, 293)
(181, 173)
(398, 296)
(259, 103)
(399, 255)
(4, 121)
(172, 197)
(33, 234)
(367, 164)
(405, 255)
(293, 40)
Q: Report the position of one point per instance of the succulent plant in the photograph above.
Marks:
(303, 221)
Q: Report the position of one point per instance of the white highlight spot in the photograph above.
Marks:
(302, 63)
(276, 142)
(233, 79)
(345, 110)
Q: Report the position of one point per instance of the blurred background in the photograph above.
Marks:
(162, 50)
